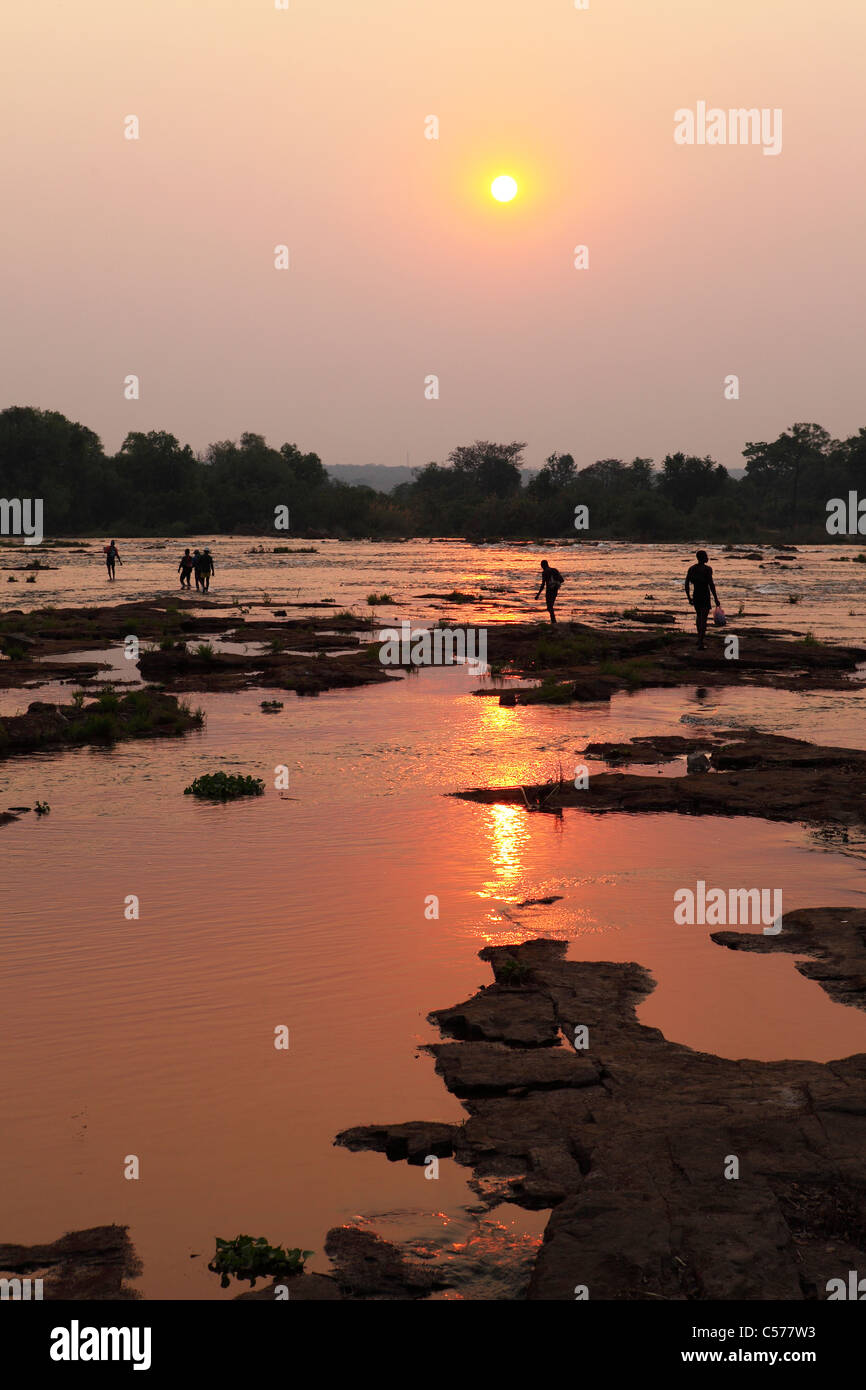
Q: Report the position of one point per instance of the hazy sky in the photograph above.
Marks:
(306, 127)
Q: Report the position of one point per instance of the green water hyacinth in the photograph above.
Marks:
(219, 786)
(246, 1258)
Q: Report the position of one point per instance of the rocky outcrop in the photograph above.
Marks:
(90, 1264)
(412, 1142)
(590, 663)
(139, 714)
(766, 775)
(671, 1173)
(834, 939)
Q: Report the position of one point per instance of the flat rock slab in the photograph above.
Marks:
(522, 1017)
(490, 1068)
(412, 1143)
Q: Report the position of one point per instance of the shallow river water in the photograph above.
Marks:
(155, 1037)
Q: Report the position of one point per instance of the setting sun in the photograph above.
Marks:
(504, 188)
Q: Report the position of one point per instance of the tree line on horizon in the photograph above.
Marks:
(155, 485)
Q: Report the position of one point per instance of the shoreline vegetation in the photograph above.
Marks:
(157, 486)
(107, 719)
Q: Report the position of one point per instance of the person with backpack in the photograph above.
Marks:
(551, 583)
(111, 558)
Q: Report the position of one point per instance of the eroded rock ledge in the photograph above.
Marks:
(754, 774)
(629, 1139)
(91, 1264)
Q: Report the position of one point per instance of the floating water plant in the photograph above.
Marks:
(246, 1258)
(220, 786)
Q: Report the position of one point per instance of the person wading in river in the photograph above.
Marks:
(184, 569)
(207, 569)
(111, 556)
(551, 582)
(700, 578)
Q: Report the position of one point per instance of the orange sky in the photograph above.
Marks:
(306, 127)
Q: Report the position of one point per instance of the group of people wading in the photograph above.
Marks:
(198, 562)
(699, 588)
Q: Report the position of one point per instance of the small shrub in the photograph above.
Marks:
(512, 972)
(205, 651)
(379, 599)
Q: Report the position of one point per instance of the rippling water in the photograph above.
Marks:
(155, 1037)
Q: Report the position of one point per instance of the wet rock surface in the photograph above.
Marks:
(90, 1264)
(523, 1017)
(296, 655)
(412, 1142)
(633, 1144)
(578, 662)
(754, 774)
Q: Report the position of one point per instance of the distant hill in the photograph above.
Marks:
(381, 476)
(385, 477)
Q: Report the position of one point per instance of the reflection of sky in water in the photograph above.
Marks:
(309, 910)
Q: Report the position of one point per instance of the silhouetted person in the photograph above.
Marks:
(111, 556)
(208, 568)
(551, 582)
(700, 577)
(198, 567)
(184, 569)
